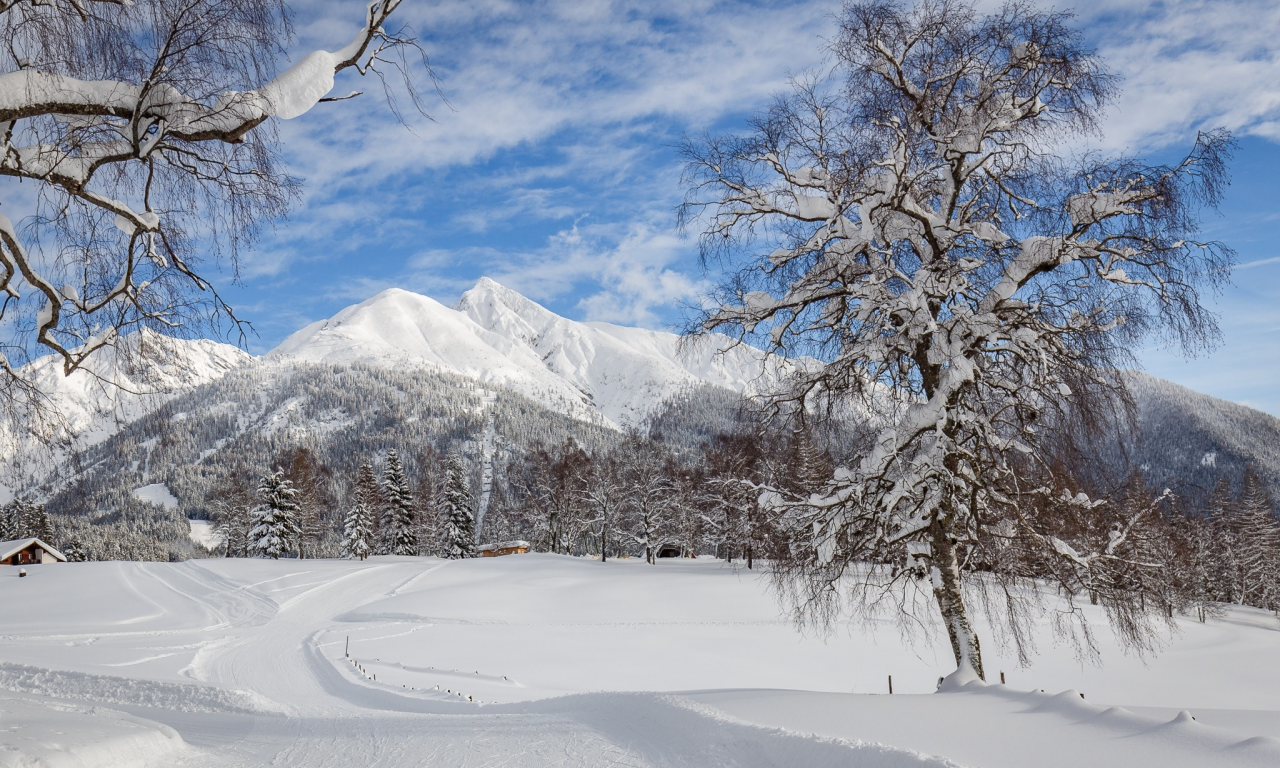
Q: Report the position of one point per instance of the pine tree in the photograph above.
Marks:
(810, 468)
(23, 519)
(398, 534)
(358, 527)
(1258, 543)
(460, 523)
(1224, 555)
(43, 528)
(275, 531)
(8, 522)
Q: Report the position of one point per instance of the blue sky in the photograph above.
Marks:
(553, 166)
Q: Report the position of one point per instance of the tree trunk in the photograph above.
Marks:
(946, 591)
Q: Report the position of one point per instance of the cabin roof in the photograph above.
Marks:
(10, 548)
(504, 545)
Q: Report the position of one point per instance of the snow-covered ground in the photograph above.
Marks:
(549, 660)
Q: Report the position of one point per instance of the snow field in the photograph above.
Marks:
(582, 663)
(45, 734)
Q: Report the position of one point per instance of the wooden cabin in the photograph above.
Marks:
(504, 548)
(28, 552)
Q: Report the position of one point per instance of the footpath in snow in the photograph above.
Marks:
(547, 660)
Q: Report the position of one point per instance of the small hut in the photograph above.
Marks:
(28, 552)
(504, 548)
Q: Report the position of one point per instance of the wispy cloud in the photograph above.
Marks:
(1258, 263)
(554, 170)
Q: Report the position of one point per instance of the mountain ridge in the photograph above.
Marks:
(608, 376)
(599, 372)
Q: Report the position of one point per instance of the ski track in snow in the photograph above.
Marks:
(241, 663)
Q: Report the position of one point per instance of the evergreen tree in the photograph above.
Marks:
(275, 531)
(809, 466)
(460, 523)
(398, 534)
(358, 527)
(43, 528)
(23, 519)
(1258, 544)
(428, 514)
(74, 552)
(8, 525)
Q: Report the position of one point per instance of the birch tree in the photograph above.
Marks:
(922, 222)
(145, 130)
(649, 495)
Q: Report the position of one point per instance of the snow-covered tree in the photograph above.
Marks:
(649, 495)
(459, 530)
(550, 483)
(428, 515)
(1257, 545)
(275, 530)
(399, 530)
(920, 222)
(314, 483)
(146, 133)
(358, 525)
(43, 528)
(23, 518)
(604, 499)
(10, 527)
(232, 506)
(1224, 569)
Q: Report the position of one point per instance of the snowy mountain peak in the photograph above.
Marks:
(500, 309)
(594, 371)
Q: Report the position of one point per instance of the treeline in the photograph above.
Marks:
(24, 519)
(299, 510)
(224, 435)
(639, 497)
(1229, 552)
(144, 537)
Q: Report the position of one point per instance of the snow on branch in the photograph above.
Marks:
(916, 222)
(141, 166)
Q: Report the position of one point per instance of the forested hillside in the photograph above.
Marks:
(1189, 441)
(226, 433)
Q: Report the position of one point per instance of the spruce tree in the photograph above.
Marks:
(1224, 565)
(1259, 544)
(43, 528)
(275, 531)
(22, 520)
(8, 528)
(460, 523)
(398, 534)
(358, 527)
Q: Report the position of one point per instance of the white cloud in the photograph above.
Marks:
(1258, 263)
(565, 110)
(1189, 65)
